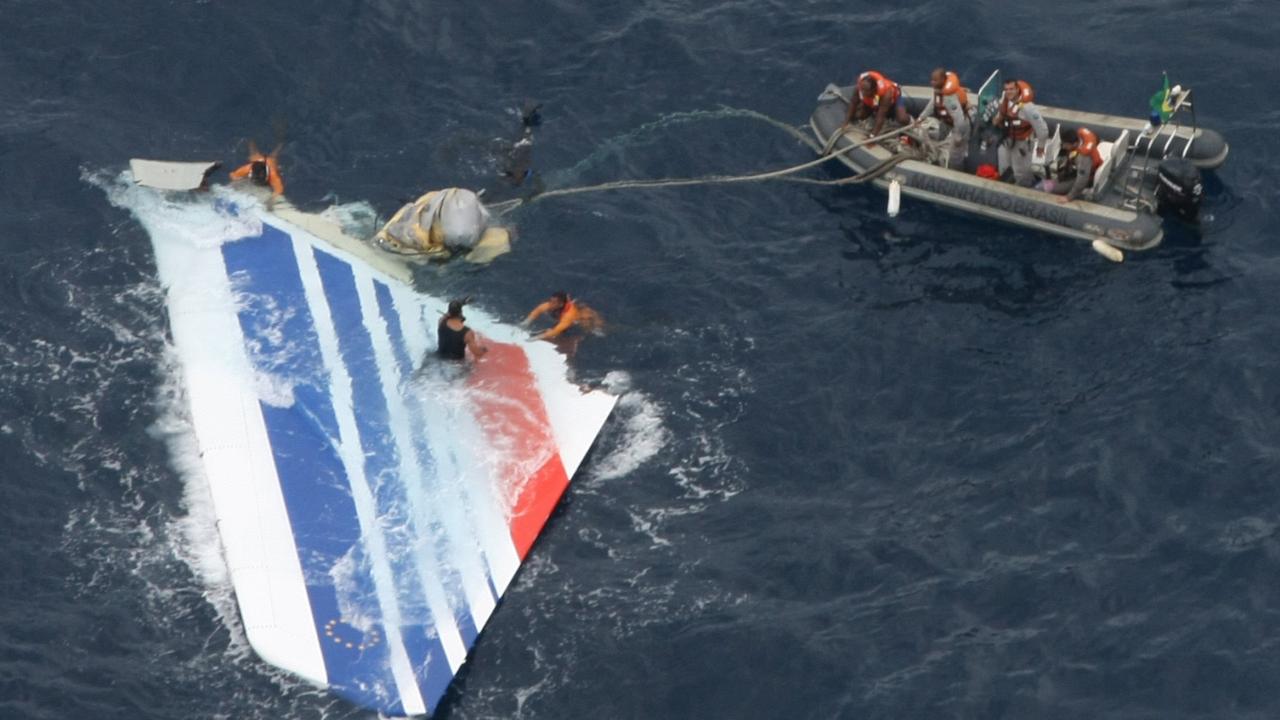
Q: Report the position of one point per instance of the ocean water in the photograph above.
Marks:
(923, 467)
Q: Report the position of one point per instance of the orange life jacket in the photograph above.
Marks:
(885, 88)
(1088, 146)
(570, 310)
(273, 171)
(1014, 125)
(951, 86)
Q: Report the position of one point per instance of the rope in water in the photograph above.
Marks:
(781, 174)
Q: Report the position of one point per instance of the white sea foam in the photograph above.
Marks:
(132, 535)
(633, 436)
(192, 537)
(200, 547)
(151, 544)
(176, 217)
(357, 219)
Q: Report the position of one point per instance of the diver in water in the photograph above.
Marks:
(454, 338)
(262, 170)
(529, 116)
(567, 312)
(517, 165)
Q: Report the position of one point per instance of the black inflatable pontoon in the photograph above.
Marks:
(1144, 169)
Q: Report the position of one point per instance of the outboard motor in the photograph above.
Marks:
(1179, 189)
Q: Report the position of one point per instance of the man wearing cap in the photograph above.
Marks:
(454, 337)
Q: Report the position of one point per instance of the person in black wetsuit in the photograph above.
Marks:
(453, 337)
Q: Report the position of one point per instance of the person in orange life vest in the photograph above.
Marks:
(454, 338)
(568, 312)
(262, 169)
(875, 93)
(950, 104)
(1081, 149)
(1022, 123)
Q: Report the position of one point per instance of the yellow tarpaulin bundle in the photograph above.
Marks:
(443, 223)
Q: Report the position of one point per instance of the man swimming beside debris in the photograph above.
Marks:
(262, 170)
(568, 313)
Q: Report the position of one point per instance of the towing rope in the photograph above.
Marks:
(869, 174)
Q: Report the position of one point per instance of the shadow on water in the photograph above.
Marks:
(951, 257)
(946, 257)
(1190, 243)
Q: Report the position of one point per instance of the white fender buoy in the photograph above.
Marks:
(895, 198)
(1107, 250)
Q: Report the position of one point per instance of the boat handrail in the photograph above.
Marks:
(1151, 142)
(1183, 102)
(1195, 127)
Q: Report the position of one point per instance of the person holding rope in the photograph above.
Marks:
(875, 93)
(872, 93)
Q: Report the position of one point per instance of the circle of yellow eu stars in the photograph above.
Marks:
(370, 638)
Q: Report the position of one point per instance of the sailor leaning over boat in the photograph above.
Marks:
(1020, 120)
(879, 95)
(950, 105)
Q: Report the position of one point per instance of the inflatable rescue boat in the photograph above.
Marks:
(1146, 171)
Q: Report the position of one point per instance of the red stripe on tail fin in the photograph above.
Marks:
(514, 418)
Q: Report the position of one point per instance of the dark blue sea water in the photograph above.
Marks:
(929, 467)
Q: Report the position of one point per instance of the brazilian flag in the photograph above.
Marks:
(1161, 102)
